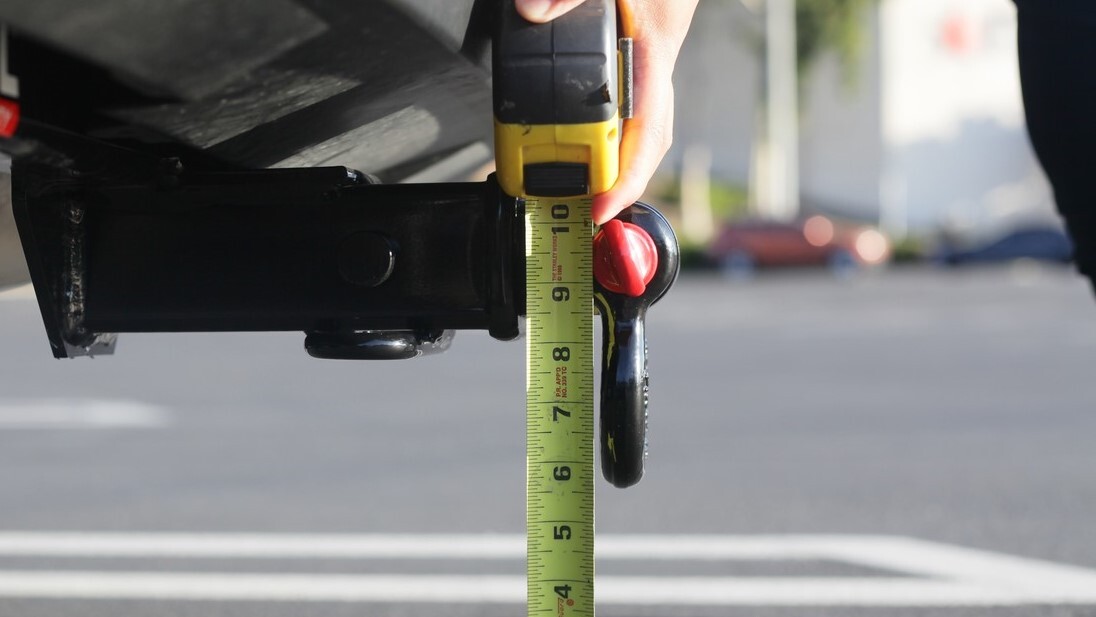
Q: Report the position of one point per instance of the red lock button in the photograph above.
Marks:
(9, 117)
(625, 258)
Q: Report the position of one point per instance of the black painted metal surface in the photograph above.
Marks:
(387, 86)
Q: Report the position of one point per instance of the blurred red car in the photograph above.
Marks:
(743, 246)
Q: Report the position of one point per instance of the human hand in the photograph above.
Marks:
(658, 28)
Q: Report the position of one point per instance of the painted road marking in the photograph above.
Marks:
(82, 414)
(933, 574)
(706, 591)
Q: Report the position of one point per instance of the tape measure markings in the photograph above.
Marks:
(560, 406)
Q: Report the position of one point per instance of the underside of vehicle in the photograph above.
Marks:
(390, 87)
(201, 165)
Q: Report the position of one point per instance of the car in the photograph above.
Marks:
(745, 245)
(1039, 243)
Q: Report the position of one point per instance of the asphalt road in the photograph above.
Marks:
(954, 408)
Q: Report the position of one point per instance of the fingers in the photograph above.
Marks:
(646, 141)
(541, 11)
(658, 27)
(647, 137)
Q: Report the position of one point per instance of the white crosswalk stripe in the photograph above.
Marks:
(925, 573)
(79, 414)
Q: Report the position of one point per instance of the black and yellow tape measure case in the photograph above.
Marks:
(557, 102)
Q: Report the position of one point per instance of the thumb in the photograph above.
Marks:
(541, 11)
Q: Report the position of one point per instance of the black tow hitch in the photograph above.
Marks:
(117, 241)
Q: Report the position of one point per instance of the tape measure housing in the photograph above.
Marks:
(596, 145)
(557, 96)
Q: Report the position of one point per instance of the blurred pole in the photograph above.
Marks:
(775, 173)
(893, 210)
(9, 84)
(696, 194)
(756, 195)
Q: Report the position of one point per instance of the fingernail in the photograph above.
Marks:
(533, 9)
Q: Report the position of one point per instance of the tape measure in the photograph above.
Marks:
(560, 393)
(557, 100)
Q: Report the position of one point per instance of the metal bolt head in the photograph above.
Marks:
(366, 258)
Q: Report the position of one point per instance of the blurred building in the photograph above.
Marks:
(929, 134)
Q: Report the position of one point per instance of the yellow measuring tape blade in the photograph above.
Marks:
(560, 406)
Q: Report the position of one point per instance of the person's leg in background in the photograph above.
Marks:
(1057, 42)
